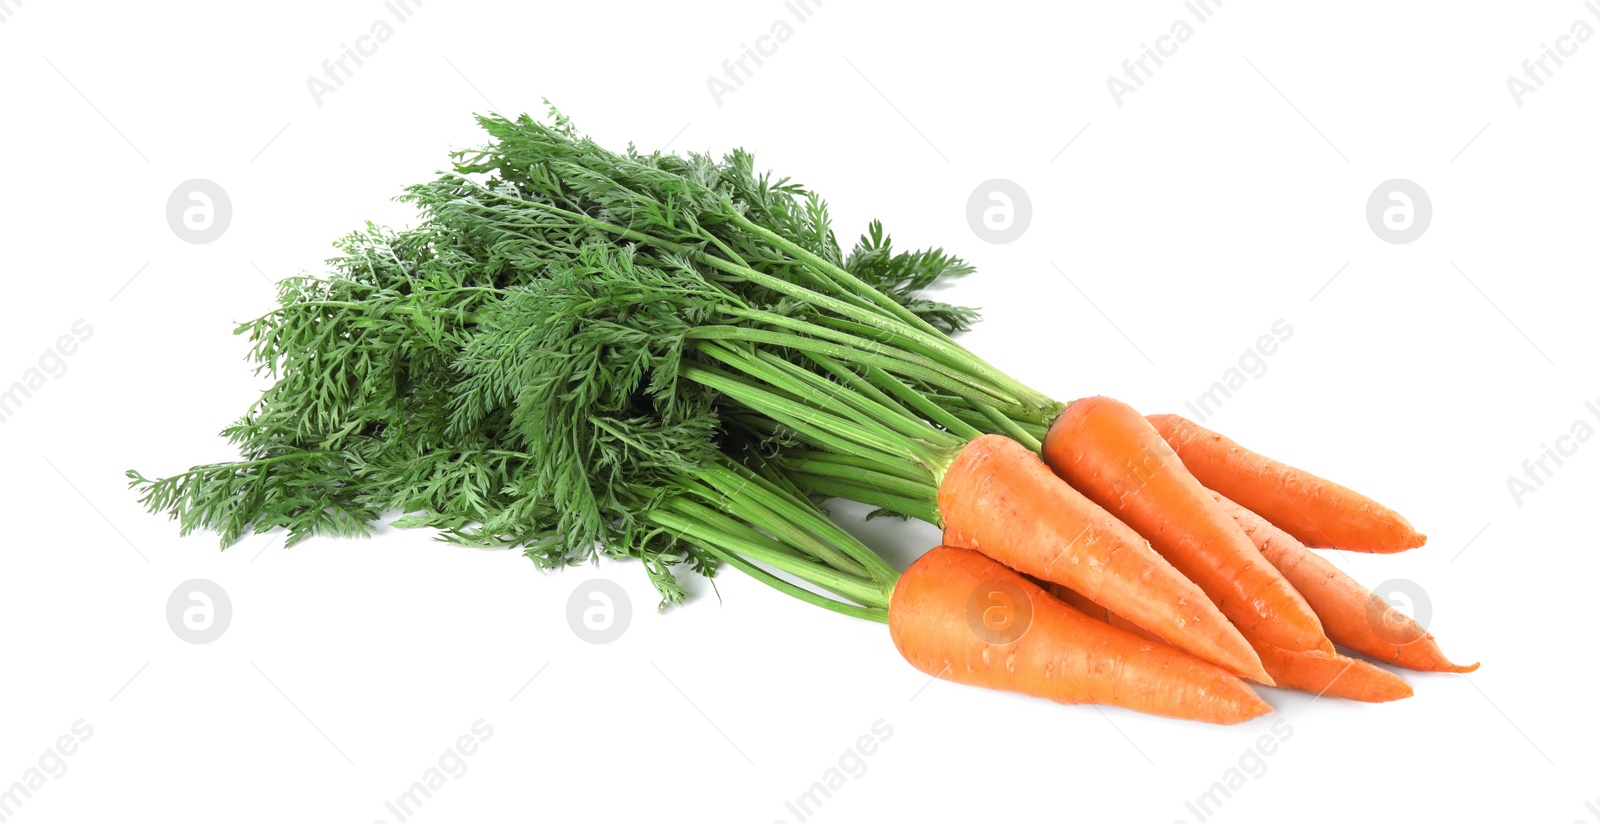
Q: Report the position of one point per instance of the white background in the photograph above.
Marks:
(1173, 231)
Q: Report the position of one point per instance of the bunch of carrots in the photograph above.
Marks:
(1207, 542)
(670, 358)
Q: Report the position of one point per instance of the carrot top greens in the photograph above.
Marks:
(507, 372)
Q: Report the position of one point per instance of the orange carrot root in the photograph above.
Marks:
(1107, 451)
(1080, 603)
(1331, 674)
(999, 499)
(1314, 671)
(1353, 616)
(959, 615)
(1317, 512)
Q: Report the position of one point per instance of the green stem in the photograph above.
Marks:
(882, 342)
(853, 380)
(923, 509)
(768, 371)
(862, 314)
(715, 513)
(1009, 427)
(838, 275)
(930, 410)
(693, 525)
(845, 434)
(899, 469)
(794, 508)
(871, 613)
(731, 498)
(899, 362)
(899, 322)
(879, 407)
(855, 475)
(928, 333)
(891, 317)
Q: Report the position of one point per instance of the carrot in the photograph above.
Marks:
(1353, 616)
(1317, 512)
(1088, 607)
(1111, 454)
(988, 492)
(1100, 613)
(1053, 651)
(998, 498)
(1315, 671)
(1331, 674)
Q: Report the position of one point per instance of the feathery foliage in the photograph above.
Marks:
(508, 372)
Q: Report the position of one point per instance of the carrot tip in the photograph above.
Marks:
(1473, 667)
(1384, 698)
(1399, 695)
(1257, 709)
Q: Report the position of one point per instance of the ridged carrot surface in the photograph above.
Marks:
(1353, 616)
(1060, 654)
(1316, 511)
(998, 498)
(1331, 674)
(1314, 671)
(1109, 452)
